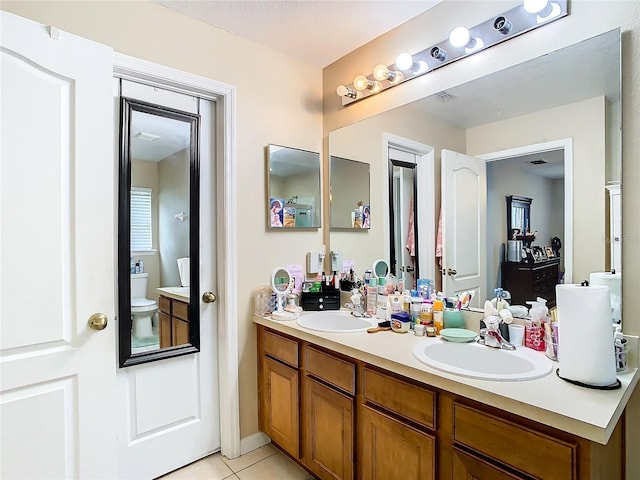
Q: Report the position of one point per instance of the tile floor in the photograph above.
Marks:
(265, 463)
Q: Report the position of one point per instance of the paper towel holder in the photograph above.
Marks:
(613, 386)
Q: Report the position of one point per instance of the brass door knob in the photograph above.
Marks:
(98, 321)
(209, 297)
(451, 271)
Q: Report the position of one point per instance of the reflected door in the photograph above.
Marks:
(56, 198)
(169, 407)
(464, 199)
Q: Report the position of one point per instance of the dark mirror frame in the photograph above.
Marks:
(520, 202)
(393, 255)
(126, 359)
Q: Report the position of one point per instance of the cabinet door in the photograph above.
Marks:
(165, 330)
(180, 331)
(328, 438)
(470, 467)
(391, 450)
(281, 418)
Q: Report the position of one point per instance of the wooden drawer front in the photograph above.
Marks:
(391, 450)
(470, 466)
(281, 348)
(410, 401)
(180, 310)
(333, 370)
(165, 304)
(526, 450)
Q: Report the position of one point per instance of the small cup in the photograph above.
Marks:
(516, 334)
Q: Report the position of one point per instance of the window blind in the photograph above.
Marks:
(140, 219)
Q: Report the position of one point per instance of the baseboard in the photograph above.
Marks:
(257, 440)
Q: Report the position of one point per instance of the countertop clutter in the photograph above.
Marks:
(586, 413)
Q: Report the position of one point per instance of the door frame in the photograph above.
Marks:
(130, 68)
(565, 144)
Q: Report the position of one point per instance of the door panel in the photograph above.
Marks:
(464, 193)
(57, 244)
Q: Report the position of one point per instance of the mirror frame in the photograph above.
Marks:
(518, 201)
(126, 359)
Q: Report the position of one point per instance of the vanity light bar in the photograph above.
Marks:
(461, 43)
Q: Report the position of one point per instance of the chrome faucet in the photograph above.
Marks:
(491, 337)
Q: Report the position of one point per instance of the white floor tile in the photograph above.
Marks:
(250, 458)
(209, 468)
(275, 467)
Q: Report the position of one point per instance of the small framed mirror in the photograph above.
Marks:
(380, 268)
(518, 216)
(293, 188)
(158, 231)
(349, 199)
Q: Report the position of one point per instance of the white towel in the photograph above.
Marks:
(183, 269)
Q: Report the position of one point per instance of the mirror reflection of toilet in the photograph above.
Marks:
(142, 309)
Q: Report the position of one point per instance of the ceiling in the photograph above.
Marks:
(317, 32)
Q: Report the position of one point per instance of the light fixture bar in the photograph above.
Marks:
(467, 41)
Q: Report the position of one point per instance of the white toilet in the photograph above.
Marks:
(142, 309)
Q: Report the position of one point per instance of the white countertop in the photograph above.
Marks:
(177, 293)
(588, 413)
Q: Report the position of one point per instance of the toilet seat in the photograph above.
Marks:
(141, 305)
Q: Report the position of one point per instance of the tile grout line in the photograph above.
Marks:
(254, 463)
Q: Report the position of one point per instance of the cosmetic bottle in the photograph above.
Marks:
(620, 349)
(438, 315)
(372, 296)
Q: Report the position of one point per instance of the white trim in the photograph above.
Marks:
(426, 199)
(565, 144)
(252, 442)
(134, 69)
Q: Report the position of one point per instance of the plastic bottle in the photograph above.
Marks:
(438, 315)
(426, 314)
(141, 264)
(372, 296)
(620, 346)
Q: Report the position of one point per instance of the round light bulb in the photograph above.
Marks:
(361, 83)
(381, 72)
(342, 90)
(460, 37)
(404, 61)
(377, 87)
(535, 6)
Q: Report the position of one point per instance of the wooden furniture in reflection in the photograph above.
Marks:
(174, 321)
(528, 281)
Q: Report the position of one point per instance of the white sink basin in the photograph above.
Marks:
(335, 321)
(479, 361)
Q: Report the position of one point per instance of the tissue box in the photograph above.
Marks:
(318, 301)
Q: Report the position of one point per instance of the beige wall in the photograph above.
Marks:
(284, 109)
(586, 19)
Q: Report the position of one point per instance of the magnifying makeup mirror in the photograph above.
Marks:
(282, 284)
(380, 268)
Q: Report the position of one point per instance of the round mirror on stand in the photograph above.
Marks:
(380, 268)
(282, 284)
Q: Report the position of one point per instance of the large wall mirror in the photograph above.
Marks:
(571, 95)
(349, 194)
(293, 188)
(157, 233)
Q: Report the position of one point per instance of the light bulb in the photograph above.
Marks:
(404, 61)
(381, 72)
(535, 6)
(362, 83)
(377, 87)
(343, 91)
(460, 37)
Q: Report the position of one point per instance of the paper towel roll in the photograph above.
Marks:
(614, 282)
(585, 350)
(184, 271)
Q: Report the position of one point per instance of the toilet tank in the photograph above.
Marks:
(139, 285)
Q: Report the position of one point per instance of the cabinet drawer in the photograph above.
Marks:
(337, 372)
(180, 310)
(164, 304)
(412, 402)
(281, 348)
(522, 448)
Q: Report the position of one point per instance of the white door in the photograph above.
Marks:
(169, 409)
(57, 262)
(464, 200)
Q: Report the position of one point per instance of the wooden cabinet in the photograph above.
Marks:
(529, 281)
(174, 322)
(341, 418)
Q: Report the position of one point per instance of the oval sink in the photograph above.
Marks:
(335, 321)
(479, 361)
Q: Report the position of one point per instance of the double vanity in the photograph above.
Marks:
(349, 404)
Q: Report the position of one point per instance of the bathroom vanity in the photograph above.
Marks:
(359, 405)
(173, 324)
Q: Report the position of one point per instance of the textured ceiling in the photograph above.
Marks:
(318, 32)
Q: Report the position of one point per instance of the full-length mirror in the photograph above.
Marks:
(349, 197)
(157, 233)
(293, 181)
(565, 104)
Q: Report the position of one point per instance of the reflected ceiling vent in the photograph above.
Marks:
(444, 97)
(542, 161)
(149, 137)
